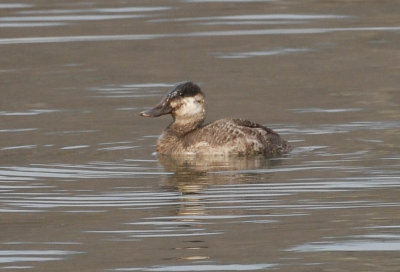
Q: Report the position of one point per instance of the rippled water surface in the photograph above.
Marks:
(81, 188)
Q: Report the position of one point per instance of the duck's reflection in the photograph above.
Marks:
(192, 174)
(191, 177)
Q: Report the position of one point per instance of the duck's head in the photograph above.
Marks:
(185, 100)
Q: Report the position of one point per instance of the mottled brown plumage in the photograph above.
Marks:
(187, 134)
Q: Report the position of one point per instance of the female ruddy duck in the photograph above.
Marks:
(188, 135)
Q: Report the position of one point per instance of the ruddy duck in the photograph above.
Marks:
(188, 135)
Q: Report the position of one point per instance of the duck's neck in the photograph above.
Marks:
(185, 124)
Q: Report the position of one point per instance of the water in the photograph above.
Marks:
(81, 188)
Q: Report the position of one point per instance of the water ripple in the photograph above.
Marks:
(14, 5)
(250, 17)
(342, 128)
(200, 267)
(22, 25)
(320, 110)
(67, 18)
(284, 51)
(13, 256)
(74, 147)
(226, 1)
(131, 90)
(31, 112)
(18, 129)
(138, 37)
(359, 243)
(79, 172)
(97, 10)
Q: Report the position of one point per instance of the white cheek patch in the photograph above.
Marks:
(174, 104)
(190, 106)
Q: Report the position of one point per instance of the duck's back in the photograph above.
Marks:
(234, 136)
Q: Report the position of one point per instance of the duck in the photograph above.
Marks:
(188, 134)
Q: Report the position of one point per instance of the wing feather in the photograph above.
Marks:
(236, 136)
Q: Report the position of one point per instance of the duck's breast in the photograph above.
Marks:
(169, 144)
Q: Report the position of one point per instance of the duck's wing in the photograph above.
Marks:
(239, 136)
(249, 124)
(271, 140)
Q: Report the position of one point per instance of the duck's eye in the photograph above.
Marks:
(180, 94)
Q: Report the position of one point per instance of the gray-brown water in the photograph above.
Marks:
(80, 187)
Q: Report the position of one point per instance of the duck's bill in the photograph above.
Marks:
(156, 111)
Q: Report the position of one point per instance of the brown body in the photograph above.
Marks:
(187, 135)
(223, 137)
